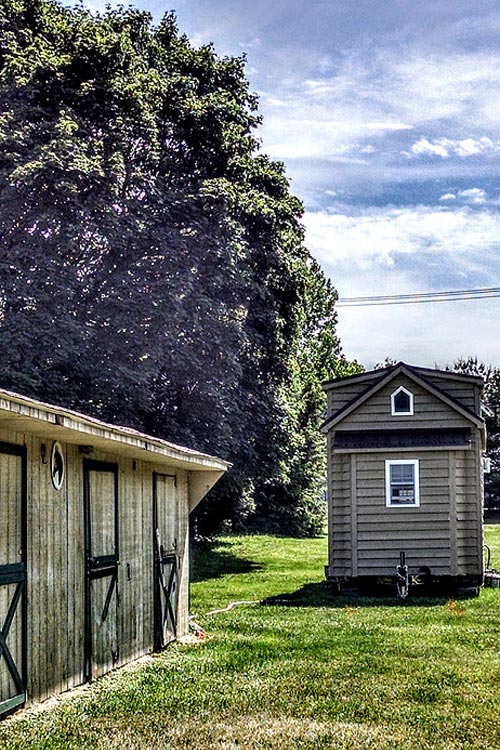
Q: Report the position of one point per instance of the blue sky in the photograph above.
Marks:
(387, 119)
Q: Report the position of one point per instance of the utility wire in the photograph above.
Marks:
(424, 294)
(424, 297)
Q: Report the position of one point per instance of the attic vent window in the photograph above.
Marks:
(401, 402)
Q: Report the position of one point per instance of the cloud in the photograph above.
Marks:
(403, 251)
(316, 137)
(473, 196)
(423, 146)
(446, 147)
(250, 43)
(448, 84)
(422, 334)
(382, 237)
(384, 93)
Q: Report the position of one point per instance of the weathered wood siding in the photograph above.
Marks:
(445, 532)
(56, 561)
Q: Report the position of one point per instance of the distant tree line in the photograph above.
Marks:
(491, 416)
(152, 262)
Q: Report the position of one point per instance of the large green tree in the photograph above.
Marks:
(152, 262)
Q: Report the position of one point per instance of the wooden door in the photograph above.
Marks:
(101, 569)
(13, 573)
(165, 526)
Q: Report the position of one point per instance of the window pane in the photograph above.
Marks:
(402, 494)
(402, 473)
(402, 402)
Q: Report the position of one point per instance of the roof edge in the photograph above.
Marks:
(373, 374)
(71, 420)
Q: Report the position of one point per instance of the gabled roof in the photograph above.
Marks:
(372, 375)
(377, 379)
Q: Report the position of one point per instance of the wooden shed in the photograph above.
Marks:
(93, 545)
(405, 476)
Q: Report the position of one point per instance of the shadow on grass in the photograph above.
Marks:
(212, 560)
(492, 516)
(324, 594)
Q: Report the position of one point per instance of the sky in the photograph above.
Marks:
(387, 117)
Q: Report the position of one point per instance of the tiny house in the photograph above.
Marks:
(405, 476)
(93, 545)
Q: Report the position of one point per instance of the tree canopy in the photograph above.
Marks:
(153, 270)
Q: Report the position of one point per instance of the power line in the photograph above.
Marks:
(422, 298)
(423, 294)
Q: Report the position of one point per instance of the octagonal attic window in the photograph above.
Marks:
(401, 402)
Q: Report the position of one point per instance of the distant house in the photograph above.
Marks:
(405, 475)
(93, 545)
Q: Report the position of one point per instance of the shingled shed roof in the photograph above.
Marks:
(22, 414)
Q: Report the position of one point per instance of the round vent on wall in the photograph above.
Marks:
(57, 465)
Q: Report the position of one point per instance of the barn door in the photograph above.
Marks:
(165, 557)
(13, 613)
(101, 569)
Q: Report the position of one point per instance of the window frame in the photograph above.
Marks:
(389, 463)
(395, 413)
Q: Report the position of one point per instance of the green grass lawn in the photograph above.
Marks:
(305, 670)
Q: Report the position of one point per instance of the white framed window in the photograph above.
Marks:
(401, 402)
(402, 486)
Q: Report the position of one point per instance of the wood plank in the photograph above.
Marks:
(415, 558)
(453, 515)
(76, 569)
(354, 516)
(183, 553)
(10, 546)
(416, 537)
(389, 524)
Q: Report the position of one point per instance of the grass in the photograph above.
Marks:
(304, 671)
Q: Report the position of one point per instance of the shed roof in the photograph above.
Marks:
(22, 414)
